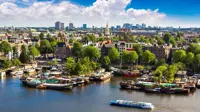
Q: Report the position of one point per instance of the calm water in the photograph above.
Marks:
(91, 98)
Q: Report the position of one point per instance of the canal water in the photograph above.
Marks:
(91, 98)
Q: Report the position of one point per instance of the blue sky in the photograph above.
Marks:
(152, 12)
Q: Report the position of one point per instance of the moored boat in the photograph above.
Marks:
(124, 103)
(135, 73)
(198, 83)
(32, 82)
(41, 86)
(103, 76)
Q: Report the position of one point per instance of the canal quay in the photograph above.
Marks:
(95, 97)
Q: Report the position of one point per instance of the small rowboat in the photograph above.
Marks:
(124, 103)
(41, 87)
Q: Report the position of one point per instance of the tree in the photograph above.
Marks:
(71, 40)
(167, 37)
(45, 47)
(170, 72)
(106, 62)
(15, 52)
(197, 63)
(70, 65)
(158, 73)
(179, 56)
(24, 58)
(37, 46)
(125, 56)
(49, 35)
(5, 47)
(138, 49)
(53, 42)
(160, 41)
(113, 54)
(189, 58)
(77, 50)
(161, 63)
(148, 56)
(33, 51)
(37, 37)
(195, 40)
(78, 70)
(6, 63)
(92, 37)
(173, 42)
(16, 62)
(41, 35)
(86, 63)
(194, 48)
(91, 52)
(133, 57)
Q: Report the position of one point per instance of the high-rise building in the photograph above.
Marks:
(138, 26)
(71, 26)
(118, 26)
(59, 25)
(84, 26)
(144, 25)
(127, 25)
(62, 26)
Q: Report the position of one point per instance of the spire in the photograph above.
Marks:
(107, 31)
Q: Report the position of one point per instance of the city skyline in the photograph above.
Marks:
(34, 13)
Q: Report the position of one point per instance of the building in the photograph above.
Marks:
(161, 52)
(104, 47)
(107, 31)
(144, 25)
(118, 26)
(84, 26)
(71, 26)
(62, 50)
(127, 25)
(59, 25)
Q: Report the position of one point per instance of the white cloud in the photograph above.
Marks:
(46, 13)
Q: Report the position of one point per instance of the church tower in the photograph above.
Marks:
(107, 31)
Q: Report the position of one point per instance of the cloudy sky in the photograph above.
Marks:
(184, 13)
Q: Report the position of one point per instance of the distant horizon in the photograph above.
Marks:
(34, 13)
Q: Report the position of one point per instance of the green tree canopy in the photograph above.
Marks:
(5, 47)
(138, 49)
(33, 51)
(24, 58)
(195, 40)
(70, 65)
(194, 48)
(15, 52)
(45, 47)
(167, 37)
(158, 73)
(16, 62)
(49, 35)
(6, 63)
(173, 41)
(91, 52)
(79, 69)
(106, 61)
(189, 58)
(77, 50)
(41, 35)
(113, 54)
(148, 56)
(179, 56)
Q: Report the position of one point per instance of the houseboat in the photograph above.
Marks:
(31, 82)
(124, 103)
(135, 73)
(30, 70)
(58, 84)
(103, 76)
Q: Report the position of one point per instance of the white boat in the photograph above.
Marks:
(198, 83)
(31, 70)
(17, 73)
(31, 82)
(124, 103)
